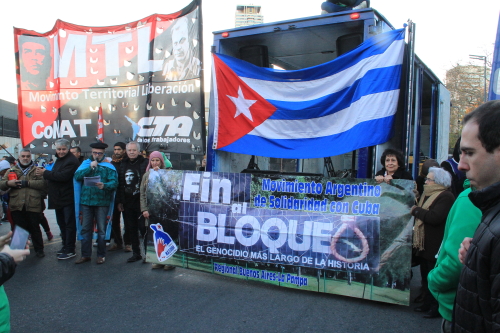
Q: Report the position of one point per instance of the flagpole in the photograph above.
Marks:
(409, 92)
(202, 80)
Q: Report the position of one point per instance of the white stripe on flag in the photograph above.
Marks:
(299, 91)
(368, 107)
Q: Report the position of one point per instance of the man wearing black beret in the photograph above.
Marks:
(95, 184)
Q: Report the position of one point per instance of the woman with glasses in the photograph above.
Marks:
(430, 220)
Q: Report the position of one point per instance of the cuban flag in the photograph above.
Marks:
(325, 110)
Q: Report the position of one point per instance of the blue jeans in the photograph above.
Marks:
(89, 214)
(67, 224)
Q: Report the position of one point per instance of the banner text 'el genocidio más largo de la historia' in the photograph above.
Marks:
(341, 236)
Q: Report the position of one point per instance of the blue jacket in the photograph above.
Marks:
(92, 195)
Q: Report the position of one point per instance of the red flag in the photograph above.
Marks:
(100, 125)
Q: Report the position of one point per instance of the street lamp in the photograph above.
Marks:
(483, 58)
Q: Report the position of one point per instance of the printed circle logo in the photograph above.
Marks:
(164, 245)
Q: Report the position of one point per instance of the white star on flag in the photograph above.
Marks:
(242, 105)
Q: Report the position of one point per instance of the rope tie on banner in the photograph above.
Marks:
(350, 223)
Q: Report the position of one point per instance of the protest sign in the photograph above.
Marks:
(343, 236)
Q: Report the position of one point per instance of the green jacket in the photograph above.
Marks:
(92, 195)
(462, 222)
(30, 197)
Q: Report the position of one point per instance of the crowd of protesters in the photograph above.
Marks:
(100, 186)
(456, 229)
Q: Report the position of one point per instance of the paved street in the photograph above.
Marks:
(47, 295)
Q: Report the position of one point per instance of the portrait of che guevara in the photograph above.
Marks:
(34, 61)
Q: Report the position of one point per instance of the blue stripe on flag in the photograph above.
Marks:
(375, 81)
(332, 145)
(494, 91)
(373, 46)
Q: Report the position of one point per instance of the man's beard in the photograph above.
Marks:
(24, 166)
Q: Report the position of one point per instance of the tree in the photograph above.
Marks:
(466, 86)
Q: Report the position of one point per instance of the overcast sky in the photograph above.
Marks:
(447, 30)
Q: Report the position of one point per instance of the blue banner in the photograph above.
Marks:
(316, 240)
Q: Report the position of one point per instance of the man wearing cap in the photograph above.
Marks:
(95, 184)
(61, 196)
(118, 154)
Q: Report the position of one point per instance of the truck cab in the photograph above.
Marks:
(422, 119)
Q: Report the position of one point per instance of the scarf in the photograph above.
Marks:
(117, 158)
(25, 168)
(431, 192)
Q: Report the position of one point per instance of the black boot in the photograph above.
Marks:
(432, 313)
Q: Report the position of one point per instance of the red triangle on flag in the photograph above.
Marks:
(240, 108)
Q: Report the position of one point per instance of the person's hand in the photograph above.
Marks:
(412, 209)
(39, 171)
(17, 255)
(5, 239)
(145, 214)
(379, 179)
(120, 207)
(12, 183)
(464, 247)
(93, 164)
(156, 168)
(99, 185)
(388, 179)
(417, 195)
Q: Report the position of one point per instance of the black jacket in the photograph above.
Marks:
(477, 305)
(139, 164)
(399, 174)
(60, 181)
(434, 219)
(7, 267)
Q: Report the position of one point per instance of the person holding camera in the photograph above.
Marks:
(8, 262)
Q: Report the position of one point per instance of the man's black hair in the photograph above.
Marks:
(487, 116)
(78, 149)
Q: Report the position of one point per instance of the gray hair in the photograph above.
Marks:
(25, 150)
(134, 143)
(62, 142)
(441, 176)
